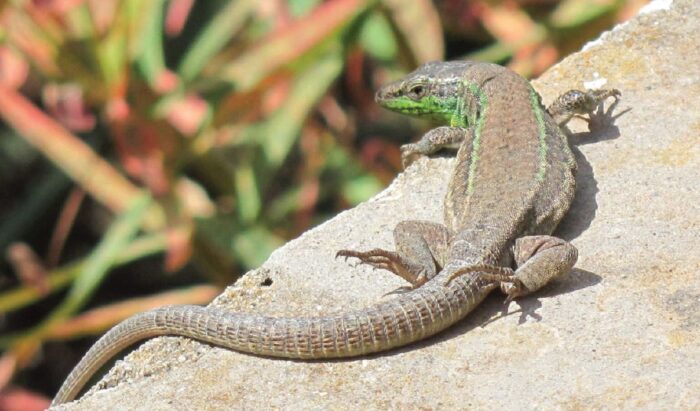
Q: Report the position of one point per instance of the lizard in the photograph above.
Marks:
(512, 183)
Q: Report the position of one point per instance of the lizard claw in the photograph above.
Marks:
(343, 253)
(512, 289)
(400, 290)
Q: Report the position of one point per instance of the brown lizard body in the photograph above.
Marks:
(513, 182)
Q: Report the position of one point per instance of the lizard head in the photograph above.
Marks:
(433, 90)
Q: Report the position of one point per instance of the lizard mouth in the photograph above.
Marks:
(400, 103)
(406, 105)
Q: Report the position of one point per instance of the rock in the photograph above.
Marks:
(621, 330)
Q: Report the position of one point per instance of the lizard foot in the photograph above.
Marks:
(387, 260)
(577, 103)
(507, 281)
(513, 289)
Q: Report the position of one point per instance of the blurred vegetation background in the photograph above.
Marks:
(153, 151)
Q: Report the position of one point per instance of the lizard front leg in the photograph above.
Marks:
(421, 249)
(576, 102)
(432, 141)
(538, 259)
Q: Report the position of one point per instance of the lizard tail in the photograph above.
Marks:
(400, 321)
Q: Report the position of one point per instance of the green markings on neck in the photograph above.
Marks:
(459, 117)
(441, 109)
(541, 134)
(477, 119)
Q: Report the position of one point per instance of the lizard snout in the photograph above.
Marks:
(380, 95)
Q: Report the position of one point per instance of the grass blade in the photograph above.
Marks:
(284, 46)
(281, 131)
(151, 60)
(214, 37)
(62, 277)
(96, 267)
(95, 175)
(419, 25)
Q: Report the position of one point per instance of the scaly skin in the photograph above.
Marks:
(513, 181)
(397, 322)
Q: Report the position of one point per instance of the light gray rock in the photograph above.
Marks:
(622, 330)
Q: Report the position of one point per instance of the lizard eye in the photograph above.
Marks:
(416, 92)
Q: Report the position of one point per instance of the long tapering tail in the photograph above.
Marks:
(408, 318)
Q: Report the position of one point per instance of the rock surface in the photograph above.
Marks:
(621, 330)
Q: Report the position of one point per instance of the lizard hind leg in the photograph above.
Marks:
(421, 249)
(539, 259)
